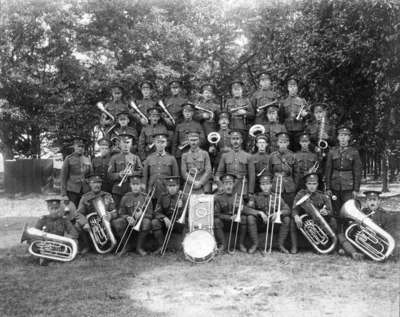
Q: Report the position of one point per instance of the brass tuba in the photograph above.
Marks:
(48, 245)
(365, 234)
(315, 228)
(100, 229)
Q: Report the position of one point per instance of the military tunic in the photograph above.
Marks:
(57, 225)
(291, 107)
(200, 160)
(116, 107)
(180, 136)
(174, 107)
(146, 144)
(240, 121)
(259, 98)
(271, 129)
(261, 162)
(305, 160)
(100, 168)
(318, 199)
(209, 125)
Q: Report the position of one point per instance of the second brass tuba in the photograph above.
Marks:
(100, 229)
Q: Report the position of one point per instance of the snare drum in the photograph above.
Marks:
(199, 246)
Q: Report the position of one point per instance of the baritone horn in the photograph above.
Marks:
(100, 229)
(164, 108)
(315, 228)
(213, 138)
(138, 111)
(48, 245)
(103, 109)
(365, 234)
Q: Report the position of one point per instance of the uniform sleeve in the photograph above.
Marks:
(184, 171)
(40, 224)
(70, 231)
(220, 169)
(250, 211)
(296, 209)
(328, 170)
(328, 204)
(146, 172)
(138, 164)
(207, 169)
(357, 170)
(202, 135)
(175, 167)
(64, 176)
(158, 210)
(250, 111)
(111, 171)
(252, 175)
(175, 140)
(142, 145)
(81, 212)
(123, 210)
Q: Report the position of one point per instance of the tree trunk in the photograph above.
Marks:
(385, 168)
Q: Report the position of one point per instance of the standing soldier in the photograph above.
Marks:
(180, 143)
(146, 142)
(121, 166)
(207, 111)
(100, 164)
(261, 158)
(262, 96)
(117, 104)
(295, 112)
(159, 165)
(164, 210)
(86, 207)
(343, 170)
(122, 127)
(126, 215)
(272, 126)
(144, 104)
(174, 104)
(224, 144)
(75, 169)
(240, 109)
(283, 163)
(199, 160)
(307, 161)
(238, 163)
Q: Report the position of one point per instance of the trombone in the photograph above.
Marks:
(236, 219)
(140, 208)
(164, 108)
(276, 205)
(128, 170)
(140, 113)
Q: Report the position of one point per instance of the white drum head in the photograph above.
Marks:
(199, 246)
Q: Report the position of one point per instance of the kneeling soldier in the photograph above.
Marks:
(127, 216)
(164, 210)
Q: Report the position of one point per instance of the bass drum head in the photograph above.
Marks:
(199, 246)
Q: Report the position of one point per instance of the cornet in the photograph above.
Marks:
(261, 108)
(164, 108)
(126, 172)
(101, 107)
(182, 146)
(140, 113)
(301, 109)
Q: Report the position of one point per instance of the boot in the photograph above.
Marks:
(283, 233)
(253, 237)
(84, 243)
(139, 244)
(242, 237)
(158, 235)
(293, 237)
(220, 237)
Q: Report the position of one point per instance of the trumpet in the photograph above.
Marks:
(365, 234)
(205, 110)
(164, 108)
(139, 209)
(314, 168)
(184, 145)
(213, 137)
(100, 229)
(301, 110)
(140, 113)
(49, 246)
(103, 109)
(236, 219)
(238, 108)
(128, 170)
(261, 108)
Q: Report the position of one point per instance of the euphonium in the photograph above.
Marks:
(100, 229)
(365, 234)
(256, 130)
(48, 245)
(315, 228)
(213, 137)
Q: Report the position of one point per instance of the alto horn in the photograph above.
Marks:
(213, 137)
(48, 245)
(365, 234)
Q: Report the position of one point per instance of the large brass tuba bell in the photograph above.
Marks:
(100, 229)
(365, 234)
(49, 246)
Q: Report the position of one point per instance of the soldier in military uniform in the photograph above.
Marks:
(55, 223)
(262, 96)
(261, 158)
(146, 142)
(224, 144)
(164, 209)
(174, 104)
(100, 164)
(86, 207)
(307, 161)
(320, 127)
(295, 113)
(122, 127)
(144, 104)
(117, 104)
(117, 168)
(126, 215)
(238, 163)
(199, 160)
(343, 170)
(68, 209)
(320, 200)
(240, 109)
(375, 212)
(208, 119)
(272, 126)
(158, 165)
(180, 143)
(76, 167)
(223, 207)
(283, 163)
(261, 203)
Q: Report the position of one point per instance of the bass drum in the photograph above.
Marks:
(199, 246)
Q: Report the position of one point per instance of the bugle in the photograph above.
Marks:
(365, 234)
(261, 108)
(164, 108)
(236, 219)
(138, 111)
(103, 109)
(48, 245)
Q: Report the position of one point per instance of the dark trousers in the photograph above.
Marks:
(342, 197)
(74, 197)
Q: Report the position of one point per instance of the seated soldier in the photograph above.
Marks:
(55, 222)
(86, 207)
(100, 164)
(129, 215)
(377, 215)
(263, 201)
(320, 200)
(164, 210)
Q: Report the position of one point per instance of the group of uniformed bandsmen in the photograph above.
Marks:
(139, 150)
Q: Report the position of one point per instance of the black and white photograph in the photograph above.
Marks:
(200, 158)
